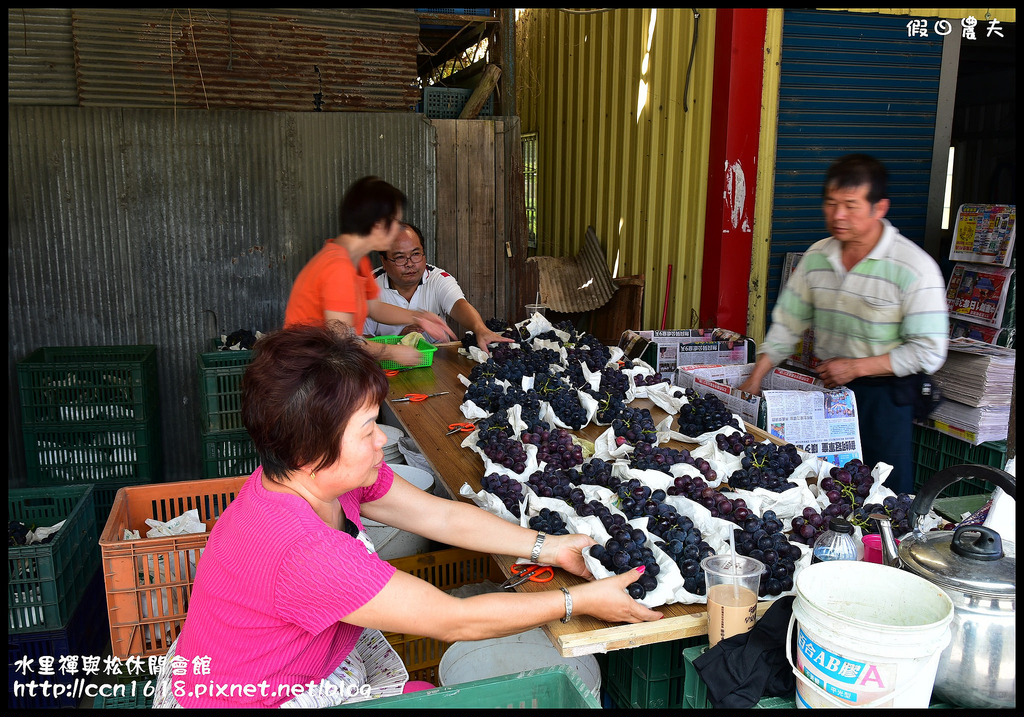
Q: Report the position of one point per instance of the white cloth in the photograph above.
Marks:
(437, 293)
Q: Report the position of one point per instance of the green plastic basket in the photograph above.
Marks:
(426, 350)
(45, 581)
(94, 452)
(650, 676)
(88, 383)
(228, 454)
(220, 389)
(557, 687)
(934, 450)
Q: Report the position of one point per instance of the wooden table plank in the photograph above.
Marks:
(427, 422)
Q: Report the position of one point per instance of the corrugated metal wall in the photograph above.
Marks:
(638, 176)
(288, 59)
(169, 228)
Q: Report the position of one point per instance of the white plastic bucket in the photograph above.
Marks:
(392, 543)
(484, 659)
(867, 635)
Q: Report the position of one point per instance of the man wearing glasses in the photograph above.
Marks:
(407, 280)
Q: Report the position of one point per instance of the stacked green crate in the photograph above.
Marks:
(934, 451)
(227, 449)
(650, 676)
(91, 414)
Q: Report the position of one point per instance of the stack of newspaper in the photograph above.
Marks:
(977, 381)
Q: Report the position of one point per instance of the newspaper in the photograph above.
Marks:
(978, 293)
(984, 234)
(822, 423)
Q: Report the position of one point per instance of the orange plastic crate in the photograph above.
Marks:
(149, 581)
(445, 570)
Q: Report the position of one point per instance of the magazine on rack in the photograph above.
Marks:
(978, 293)
(984, 234)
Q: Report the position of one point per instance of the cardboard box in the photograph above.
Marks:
(724, 379)
(669, 349)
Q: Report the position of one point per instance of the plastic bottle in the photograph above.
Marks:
(836, 543)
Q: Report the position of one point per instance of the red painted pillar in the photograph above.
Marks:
(732, 166)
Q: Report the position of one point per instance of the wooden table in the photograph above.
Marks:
(427, 422)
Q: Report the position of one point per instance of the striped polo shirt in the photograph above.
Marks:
(892, 302)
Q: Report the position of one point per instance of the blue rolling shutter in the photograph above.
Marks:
(851, 82)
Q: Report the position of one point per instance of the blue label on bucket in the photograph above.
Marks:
(839, 668)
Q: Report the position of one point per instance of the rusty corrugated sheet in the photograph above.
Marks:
(267, 59)
(617, 150)
(131, 227)
(40, 57)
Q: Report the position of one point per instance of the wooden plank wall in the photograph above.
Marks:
(479, 209)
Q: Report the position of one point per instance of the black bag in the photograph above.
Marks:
(919, 390)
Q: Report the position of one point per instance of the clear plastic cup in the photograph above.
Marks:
(732, 585)
(532, 309)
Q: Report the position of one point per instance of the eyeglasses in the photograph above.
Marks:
(402, 260)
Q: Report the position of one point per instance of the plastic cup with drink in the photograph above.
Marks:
(732, 584)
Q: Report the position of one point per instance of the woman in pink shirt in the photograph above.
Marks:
(288, 600)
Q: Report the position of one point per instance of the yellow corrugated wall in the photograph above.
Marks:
(635, 172)
(643, 184)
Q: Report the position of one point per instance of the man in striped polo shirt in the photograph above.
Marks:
(877, 305)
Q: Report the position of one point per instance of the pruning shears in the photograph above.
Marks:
(417, 397)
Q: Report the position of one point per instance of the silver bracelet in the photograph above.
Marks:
(568, 605)
(535, 554)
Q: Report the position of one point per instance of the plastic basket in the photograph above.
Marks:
(85, 635)
(446, 570)
(448, 102)
(148, 581)
(220, 389)
(426, 350)
(556, 687)
(69, 453)
(934, 451)
(89, 383)
(650, 676)
(45, 581)
(130, 695)
(230, 453)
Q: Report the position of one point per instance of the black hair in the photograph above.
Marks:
(366, 202)
(419, 235)
(856, 170)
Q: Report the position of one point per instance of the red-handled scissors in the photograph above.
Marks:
(521, 572)
(457, 427)
(417, 397)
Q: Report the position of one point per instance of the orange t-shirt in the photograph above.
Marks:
(330, 282)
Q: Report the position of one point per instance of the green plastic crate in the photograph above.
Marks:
(70, 453)
(650, 676)
(696, 692)
(426, 350)
(556, 687)
(130, 695)
(220, 389)
(228, 454)
(934, 450)
(89, 383)
(45, 581)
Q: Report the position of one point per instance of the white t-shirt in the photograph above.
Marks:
(438, 292)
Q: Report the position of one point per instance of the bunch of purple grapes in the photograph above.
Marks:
(554, 447)
(808, 526)
(595, 472)
(551, 483)
(762, 539)
(896, 507)
(734, 443)
(627, 549)
(508, 490)
(494, 440)
(549, 521)
(846, 487)
(633, 426)
(647, 456)
(766, 465)
(719, 505)
(703, 414)
(650, 379)
(684, 543)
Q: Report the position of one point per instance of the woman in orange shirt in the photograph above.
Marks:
(337, 288)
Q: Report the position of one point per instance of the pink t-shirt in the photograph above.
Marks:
(270, 592)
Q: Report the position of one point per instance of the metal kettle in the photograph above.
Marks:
(977, 570)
